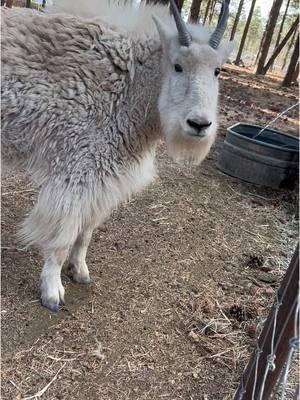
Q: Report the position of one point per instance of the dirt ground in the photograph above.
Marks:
(182, 276)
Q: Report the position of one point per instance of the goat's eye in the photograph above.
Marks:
(178, 68)
(217, 71)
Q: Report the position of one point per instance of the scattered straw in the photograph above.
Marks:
(45, 388)
(18, 192)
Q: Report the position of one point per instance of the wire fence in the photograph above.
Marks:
(267, 372)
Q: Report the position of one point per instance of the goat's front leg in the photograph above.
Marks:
(52, 290)
(77, 267)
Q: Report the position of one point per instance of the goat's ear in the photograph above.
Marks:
(225, 49)
(163, 31)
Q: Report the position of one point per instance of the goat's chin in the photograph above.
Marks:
(189, 150)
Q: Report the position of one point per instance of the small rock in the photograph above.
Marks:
(251, 330)
(266, 277)
(225, 286)
(195, 375)
(269, 291)
(253, 290)
(266, 268)
(58, 339)
(208, 306)
(193, 336)
(257, 201)
(256, 283)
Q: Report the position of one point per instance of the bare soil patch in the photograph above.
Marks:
(183, 276)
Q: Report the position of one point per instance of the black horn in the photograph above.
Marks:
(217, 35)
(184, 36)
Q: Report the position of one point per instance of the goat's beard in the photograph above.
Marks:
(188, 150)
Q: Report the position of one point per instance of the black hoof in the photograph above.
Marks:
(54, 307)
(86, 282)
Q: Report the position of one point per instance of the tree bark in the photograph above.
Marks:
(9, 3)
(28, 3)
(206, 11)
(288, 79)
(280, 46)
(282, 23)
(195, 10)
(281, 27)
(260, 47)
(269, 33)
(296, 73)
(236, 20)
(243, 40)
(288, 50)
(212, 11)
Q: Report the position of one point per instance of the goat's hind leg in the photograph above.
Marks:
(77, 267)
(53, 225)
(52, 290)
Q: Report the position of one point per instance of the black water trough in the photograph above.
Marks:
(269, 159)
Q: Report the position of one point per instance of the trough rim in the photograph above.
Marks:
(258, 142)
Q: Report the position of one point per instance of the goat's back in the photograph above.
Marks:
(59, 77)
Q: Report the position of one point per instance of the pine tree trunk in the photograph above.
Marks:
(296, 73)
(28, 3)
(9, 3)
(288, 50)
(243, 40)
(292, 66)
(269, 33)
(206, 11)
(195, 10)
(212, 11)
(260, 47)
(280, 46)
(236, 20)
(282, 23)
(281, 27)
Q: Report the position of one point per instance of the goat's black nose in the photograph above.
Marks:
(198, 124)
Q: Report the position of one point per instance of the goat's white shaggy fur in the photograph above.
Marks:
(85, 98)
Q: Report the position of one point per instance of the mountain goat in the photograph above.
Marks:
(84, 102)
